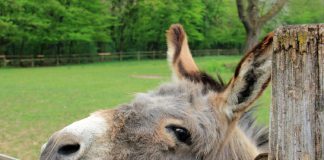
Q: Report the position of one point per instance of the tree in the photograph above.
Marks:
(9, 30)
(190, 15)
(55, 27)
(32, 27)
(253, 20)
(141, 24)
(221, 27)
(301, 12)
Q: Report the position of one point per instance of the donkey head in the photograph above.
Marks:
(194, 117)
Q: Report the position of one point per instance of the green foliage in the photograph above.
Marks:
(142, 24)
(297, 12)
(222, 27)
(55, 24)
(301, 12)
(74, 26)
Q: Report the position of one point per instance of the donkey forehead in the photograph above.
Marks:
(180, 96)
(183, 101)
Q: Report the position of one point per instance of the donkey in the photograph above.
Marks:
(195, 117)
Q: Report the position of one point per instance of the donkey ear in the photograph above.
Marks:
(179, 56)
(251, 77)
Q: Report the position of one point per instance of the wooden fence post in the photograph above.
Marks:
(297, 112)
(153, 54)
(138, 56)
(120, 56)
(3, 59)
(57, 59)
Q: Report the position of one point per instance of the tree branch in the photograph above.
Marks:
(272, 11)
(244, 19)
(253, 12)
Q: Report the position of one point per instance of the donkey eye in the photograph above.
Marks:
(182, 134)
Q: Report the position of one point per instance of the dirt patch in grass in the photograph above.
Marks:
(147, 76)
(230, 66)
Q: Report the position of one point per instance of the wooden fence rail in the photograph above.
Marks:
(297, 112)
(48, 60)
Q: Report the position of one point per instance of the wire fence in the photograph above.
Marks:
(52, 60)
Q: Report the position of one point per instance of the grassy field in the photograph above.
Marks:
(35, 102)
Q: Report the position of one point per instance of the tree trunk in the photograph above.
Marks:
(297, 113)
(58, 52)
(253, 21)
(251, 40)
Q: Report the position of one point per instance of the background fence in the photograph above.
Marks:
(50, 60)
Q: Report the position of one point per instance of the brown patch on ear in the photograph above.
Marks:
(251, 77)
(264, 86)
(182, 63)
(201, 77)
(256, 51)
(179, 52)
(176, 35)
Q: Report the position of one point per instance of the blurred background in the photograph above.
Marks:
(92, 47)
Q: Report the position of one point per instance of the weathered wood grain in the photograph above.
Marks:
(297, 112)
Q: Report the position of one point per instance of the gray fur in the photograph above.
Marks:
(258, 134)
(135, 133)
(212, 113)
(175, 100)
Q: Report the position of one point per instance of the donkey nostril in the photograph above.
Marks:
(68, 149)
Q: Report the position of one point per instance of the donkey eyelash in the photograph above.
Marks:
(181, 133)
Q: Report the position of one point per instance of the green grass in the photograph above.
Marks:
(35, 102)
